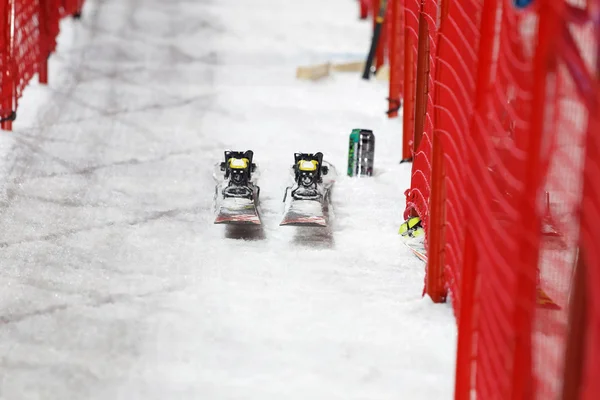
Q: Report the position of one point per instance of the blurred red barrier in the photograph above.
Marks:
(28, 32)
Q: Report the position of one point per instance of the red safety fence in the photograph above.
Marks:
(501, 103)
(28, 31)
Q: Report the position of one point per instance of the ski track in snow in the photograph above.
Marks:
(116, 284)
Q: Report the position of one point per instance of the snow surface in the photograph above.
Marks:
(117, 285)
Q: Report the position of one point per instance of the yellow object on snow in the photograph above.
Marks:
(412, 227)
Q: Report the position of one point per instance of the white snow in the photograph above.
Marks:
(117, 285)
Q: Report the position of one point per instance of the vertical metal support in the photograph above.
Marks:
(43, 42)
(575, 346)
(364, 9)
(422, 86)
(579, 369)
(9, 72)
(434, 285)
(380, 53)
(396, 58)
(77, 13)
(464, 377)
(524, 313)
(466, 322)
(409, 96)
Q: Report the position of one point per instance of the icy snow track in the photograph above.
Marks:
(116, 284)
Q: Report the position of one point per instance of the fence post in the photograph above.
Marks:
(396, 54)
(364, 9)
(422, 80)
(409, 97)
(582, 353)
(77, 13)
(466, 322)
(43, 42)
(467, 318)
(9, 70)
(575, 343)
(434, 286)
(528, 250)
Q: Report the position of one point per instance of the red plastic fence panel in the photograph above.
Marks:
(7, 70)
(454, 96)
(573, 202)
(50, 14)
(411, 40)
(28, 36)
(417, 197)
(515, 135)
(408, 82)
(20, 53)
(498, 182)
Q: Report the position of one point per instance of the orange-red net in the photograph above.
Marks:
(503, 181)
(28, 31)
(421, 28)
(454, 93)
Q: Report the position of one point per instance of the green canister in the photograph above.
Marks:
(361, 152)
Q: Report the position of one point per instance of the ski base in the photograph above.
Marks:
(307, 200)
(237, 211)
(417, 246)
(304, 213)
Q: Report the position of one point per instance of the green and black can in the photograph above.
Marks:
(361, 152)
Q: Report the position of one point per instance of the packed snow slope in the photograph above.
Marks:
(116, 284)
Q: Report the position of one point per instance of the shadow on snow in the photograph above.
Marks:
(245, 232)
(316, 237)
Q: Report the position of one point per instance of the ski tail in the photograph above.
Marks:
(237, 211)
(304, 213)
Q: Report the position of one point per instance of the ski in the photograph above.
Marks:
(303, 212)
(307, 200)
(236, 192)
(413, 237)
(417, 247)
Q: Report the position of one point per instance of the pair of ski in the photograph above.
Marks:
(306, 200)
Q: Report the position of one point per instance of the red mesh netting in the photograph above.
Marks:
(5, 69)
(518, 188)
(28, 36)
(454, 95)
(496, 207)
(565, 199)
(20, 50)
(417, 197)
(26, 49)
